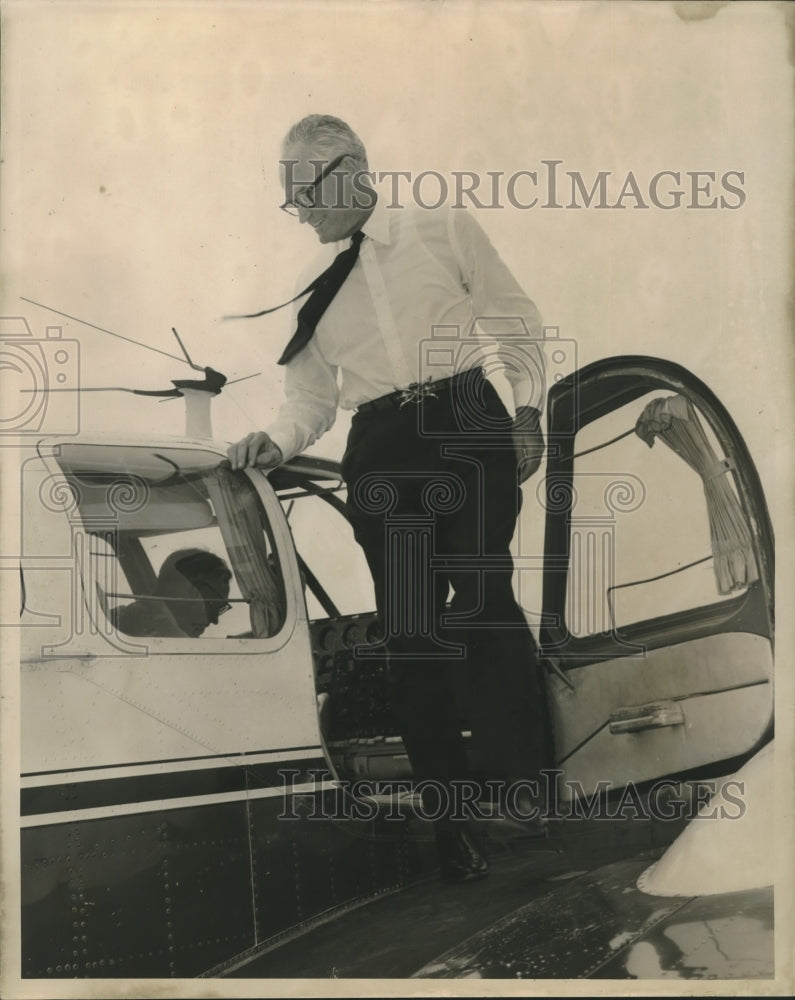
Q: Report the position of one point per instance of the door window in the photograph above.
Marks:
(656, 524)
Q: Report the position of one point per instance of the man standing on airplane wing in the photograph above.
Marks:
(431, 445)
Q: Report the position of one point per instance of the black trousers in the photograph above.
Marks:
(433, 498)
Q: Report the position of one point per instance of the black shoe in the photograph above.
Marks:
(460, 858)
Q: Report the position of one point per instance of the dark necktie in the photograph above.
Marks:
(323, 289)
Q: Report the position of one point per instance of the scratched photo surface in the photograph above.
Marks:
(185, 739)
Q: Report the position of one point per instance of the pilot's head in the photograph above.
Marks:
(194, 585)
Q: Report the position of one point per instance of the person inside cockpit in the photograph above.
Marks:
(190, 593)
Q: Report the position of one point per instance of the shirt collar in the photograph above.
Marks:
(377, 225)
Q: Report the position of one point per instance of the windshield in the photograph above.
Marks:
(179, 546)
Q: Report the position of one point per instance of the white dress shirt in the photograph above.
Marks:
(425, 294)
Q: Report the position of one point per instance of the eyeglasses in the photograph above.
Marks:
(305, 197)
(212, 598)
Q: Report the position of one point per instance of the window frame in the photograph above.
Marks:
(102, 630)
(576, 402)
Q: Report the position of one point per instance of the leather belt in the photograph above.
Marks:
(418, 391)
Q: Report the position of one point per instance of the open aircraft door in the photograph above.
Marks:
(658, 579)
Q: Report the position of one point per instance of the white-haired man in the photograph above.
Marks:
(426, 419)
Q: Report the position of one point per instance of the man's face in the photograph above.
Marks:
(338, 209)
(197, 604)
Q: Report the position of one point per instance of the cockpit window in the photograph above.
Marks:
(179, 552)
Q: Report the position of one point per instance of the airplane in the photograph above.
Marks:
(238, 803)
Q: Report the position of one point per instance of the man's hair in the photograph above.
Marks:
(193, 564)
(326, 135)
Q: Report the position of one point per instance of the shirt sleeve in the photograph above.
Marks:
(310, 405)
(501, 309)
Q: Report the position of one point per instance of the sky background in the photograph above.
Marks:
(140, 186)
(139, 191)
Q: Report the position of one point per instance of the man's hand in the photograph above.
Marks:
(529, 441)
(255, 449)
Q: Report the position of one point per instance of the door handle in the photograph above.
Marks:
(655, 715)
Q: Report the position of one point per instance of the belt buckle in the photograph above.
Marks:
(416, 392)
